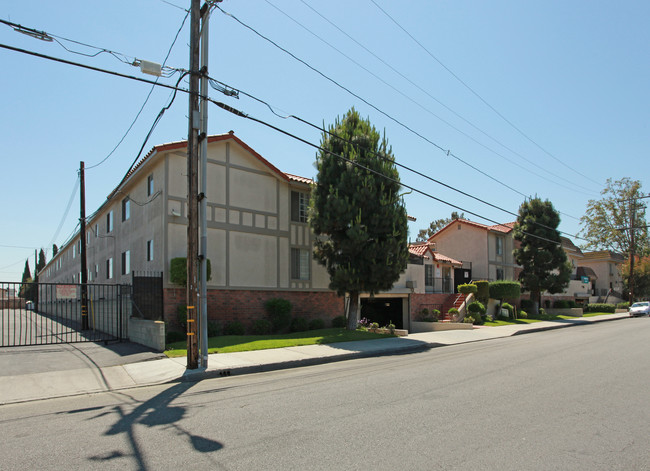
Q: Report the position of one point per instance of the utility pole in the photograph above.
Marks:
(203, 199)
(82, 252)
(632, 242)
(192, 187)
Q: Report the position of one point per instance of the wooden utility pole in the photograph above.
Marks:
(192, 188)
(82, 251)
(632, 242)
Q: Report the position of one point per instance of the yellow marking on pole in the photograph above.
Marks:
(190, 320)
(190, 307)
(190, 333)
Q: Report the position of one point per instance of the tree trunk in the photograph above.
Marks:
(353, 312)
(534, 298)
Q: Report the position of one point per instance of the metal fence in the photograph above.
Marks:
(52, 313)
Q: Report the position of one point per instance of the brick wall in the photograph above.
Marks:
(247, 306)
(419, 301)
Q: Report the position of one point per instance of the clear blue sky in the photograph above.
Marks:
(571, 80)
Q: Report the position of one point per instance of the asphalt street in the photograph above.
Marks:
(572, 398)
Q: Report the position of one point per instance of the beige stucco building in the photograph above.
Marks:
(485, 251)
(259, 242)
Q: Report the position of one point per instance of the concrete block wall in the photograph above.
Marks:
(148, 333)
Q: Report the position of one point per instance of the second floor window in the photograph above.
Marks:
(126, 208)
(499, 245)
(109, 222)
(299, 204)
(126, 262)
(150, 185)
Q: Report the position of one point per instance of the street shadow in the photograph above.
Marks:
(155, 412)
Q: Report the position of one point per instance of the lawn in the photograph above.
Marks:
(243, 343)
(499, 322)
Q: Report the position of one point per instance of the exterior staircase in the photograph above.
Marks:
(453, 300)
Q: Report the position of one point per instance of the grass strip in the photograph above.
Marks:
(244, 343)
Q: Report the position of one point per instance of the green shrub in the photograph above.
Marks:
(624, 305)
(477, 310)
(561, 304)
(467, 288)
(339, 322)
(468, 320)
(178, 271)
(547, 303)
(261, 327)
(476, 307)
(572, 304)
(279, 312)
(508, 307)
(214, 329)
(523, 314)
(174, 336)
(453, 313)
(316, 324)
(234, 328)
(601, 307)
(504, 289)
(299, 324)
(483, 291)
(429, 316)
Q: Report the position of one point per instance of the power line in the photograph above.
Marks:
(49, 37)
(412, 188)
(223, 86)
(67, 210)
(446, 151)
(479, 96)
(572, 185)
(145, 100)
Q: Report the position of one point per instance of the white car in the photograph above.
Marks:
(640, 309)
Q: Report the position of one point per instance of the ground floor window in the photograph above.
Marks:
(300, 259)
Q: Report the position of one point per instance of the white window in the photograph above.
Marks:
(300, 264)
(109, 222)
(149, 250)
(499, 246)
(500, 274)
(74, 251)
(126, 262)
(299, 204)
(96, 270)
(109, 268)
(150, 185)
(126, 209)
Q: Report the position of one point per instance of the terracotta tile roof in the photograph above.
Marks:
(424, 249)
(438, 257)
(296, 178)
(418, 249)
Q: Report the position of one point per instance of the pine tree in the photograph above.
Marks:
(543, 260)
(41, 262)
(357, 215)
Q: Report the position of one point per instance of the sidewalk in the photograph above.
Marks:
(25, 385)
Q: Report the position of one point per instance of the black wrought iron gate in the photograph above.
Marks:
(51, 313)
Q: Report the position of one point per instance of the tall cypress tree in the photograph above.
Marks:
(357, 215)
(543, 260)
(41, 262)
